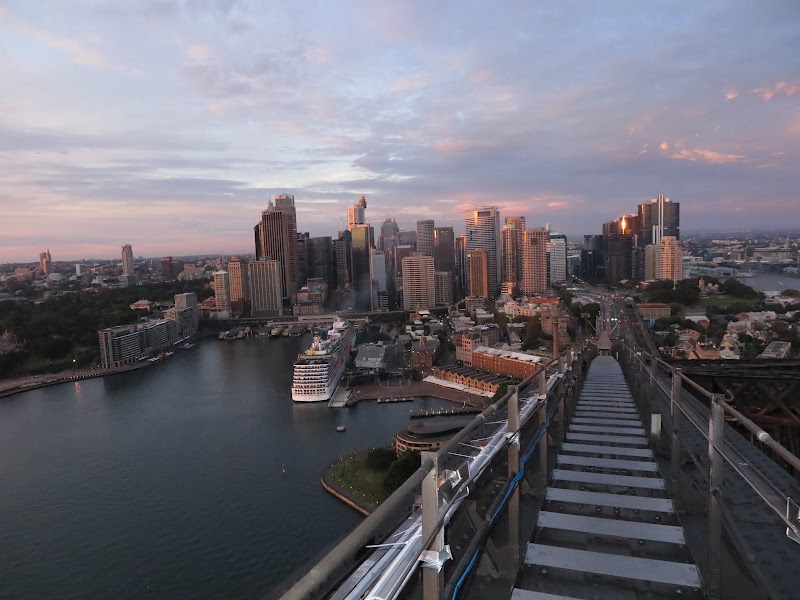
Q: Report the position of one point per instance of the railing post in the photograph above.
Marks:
(432, 579)
(542, 422)
(513, 469)
(675, 450)
(716, 436)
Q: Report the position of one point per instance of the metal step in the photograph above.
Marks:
(608, 439)
(610, 409)
(625, 481)
(591, 449)
(613, 565)
(610, 420)
(607, 463)
(520, 594)
(600, 429)
(663, 505)
(669, 534)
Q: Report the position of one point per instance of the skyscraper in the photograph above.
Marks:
(390, 234)
(619, 255)
(222, 294)
(444, 251)
(658, 218)
(669, 259)
(478, 265)
(265, 288)
(443, 283)
(356, 213)
(342, 249)
(556, 259)
(509, 247)
(425, 237)
(461, 273)
(276, 239)
(483, 233)
(360, 267)
(45, 262)
(321, 260)
(518, 225)
(419, 289)
(534, 261)
(302, 258)
(379, 279)
(127, 261)
(240, 287)
(189, 300)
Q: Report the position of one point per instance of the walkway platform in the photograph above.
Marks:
(607, 530)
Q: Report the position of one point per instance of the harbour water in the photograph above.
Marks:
(771, 282)
(169, 482)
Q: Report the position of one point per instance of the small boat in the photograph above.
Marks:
(341, 428)
(188, 345)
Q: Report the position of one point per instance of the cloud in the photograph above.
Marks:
(710, 156)
(664, 146)
(198, 53)
(782, 88)
(731, 94)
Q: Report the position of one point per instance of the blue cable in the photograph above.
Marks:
(514, 482)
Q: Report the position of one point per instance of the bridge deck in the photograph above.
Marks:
(607, 529)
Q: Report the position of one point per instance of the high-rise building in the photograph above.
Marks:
(518, 225)
(478, 265)
(443, 283)
(669, 259)
(483, 233)
(356, 213)
(556, 259)
(508, 253)
(321, 260)
(221, 284)
(425, 237)
(167, 268)
(461, 272)
(188, 300)
(390, 235)
(45, 262)
(444, 251)
(360, 267)
(342, 249)
(127, 261)
(619, 254)
(276, 239)
(400, 252)
(265, 288)
(302, 259)
(658, 218)
(534, 261)
(379, 279)
(419, 286)
(240, 287)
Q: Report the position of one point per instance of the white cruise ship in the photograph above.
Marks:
(317, 371)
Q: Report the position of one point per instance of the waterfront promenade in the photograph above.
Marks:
(415, 389)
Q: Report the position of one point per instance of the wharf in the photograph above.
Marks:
(340, 397)
(441, 412)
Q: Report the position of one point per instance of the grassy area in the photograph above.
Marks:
(354, 475)
(722, 300)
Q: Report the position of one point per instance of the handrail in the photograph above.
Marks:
(320, 573)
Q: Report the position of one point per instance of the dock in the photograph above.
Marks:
(426, 413)
(339, 398)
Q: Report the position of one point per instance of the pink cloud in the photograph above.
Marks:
(711, 156)
(731, 94)
(782, 88)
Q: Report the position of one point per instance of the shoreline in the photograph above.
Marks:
(334, 489)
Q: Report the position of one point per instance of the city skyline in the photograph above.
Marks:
(156, 124)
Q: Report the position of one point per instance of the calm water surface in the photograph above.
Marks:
(168, 483)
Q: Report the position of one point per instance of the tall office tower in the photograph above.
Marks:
(45, 262)
(650, 252)
(360, 267)
(425, 237)
(276, 239)
(265, 288)
(443, 283)
(379, 279)
(444, 250)
(390, 235)
(534, 261)
(509, 251)
(637, 262)
(419, 286)
(167, 268)
(127, 260)
(592, 257)
(556, 259)
(478, 265)
(400, 252)
(240, 287)
(343, 252)
(658, 218)
(221, 285)
(356, 213)
(518, 224)
(407, 238)
(302, 259)
(619, 249)
(461, 272)
(189, 300)
(483, 233)
(321, 260)
(669, 259)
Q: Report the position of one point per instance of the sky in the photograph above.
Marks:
(169, 124)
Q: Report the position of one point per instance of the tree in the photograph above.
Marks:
(502, 390)
(380, 459)
(401, 469)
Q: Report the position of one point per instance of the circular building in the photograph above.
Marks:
(429, 434)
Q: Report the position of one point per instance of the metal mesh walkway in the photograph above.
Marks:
(607, 529)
